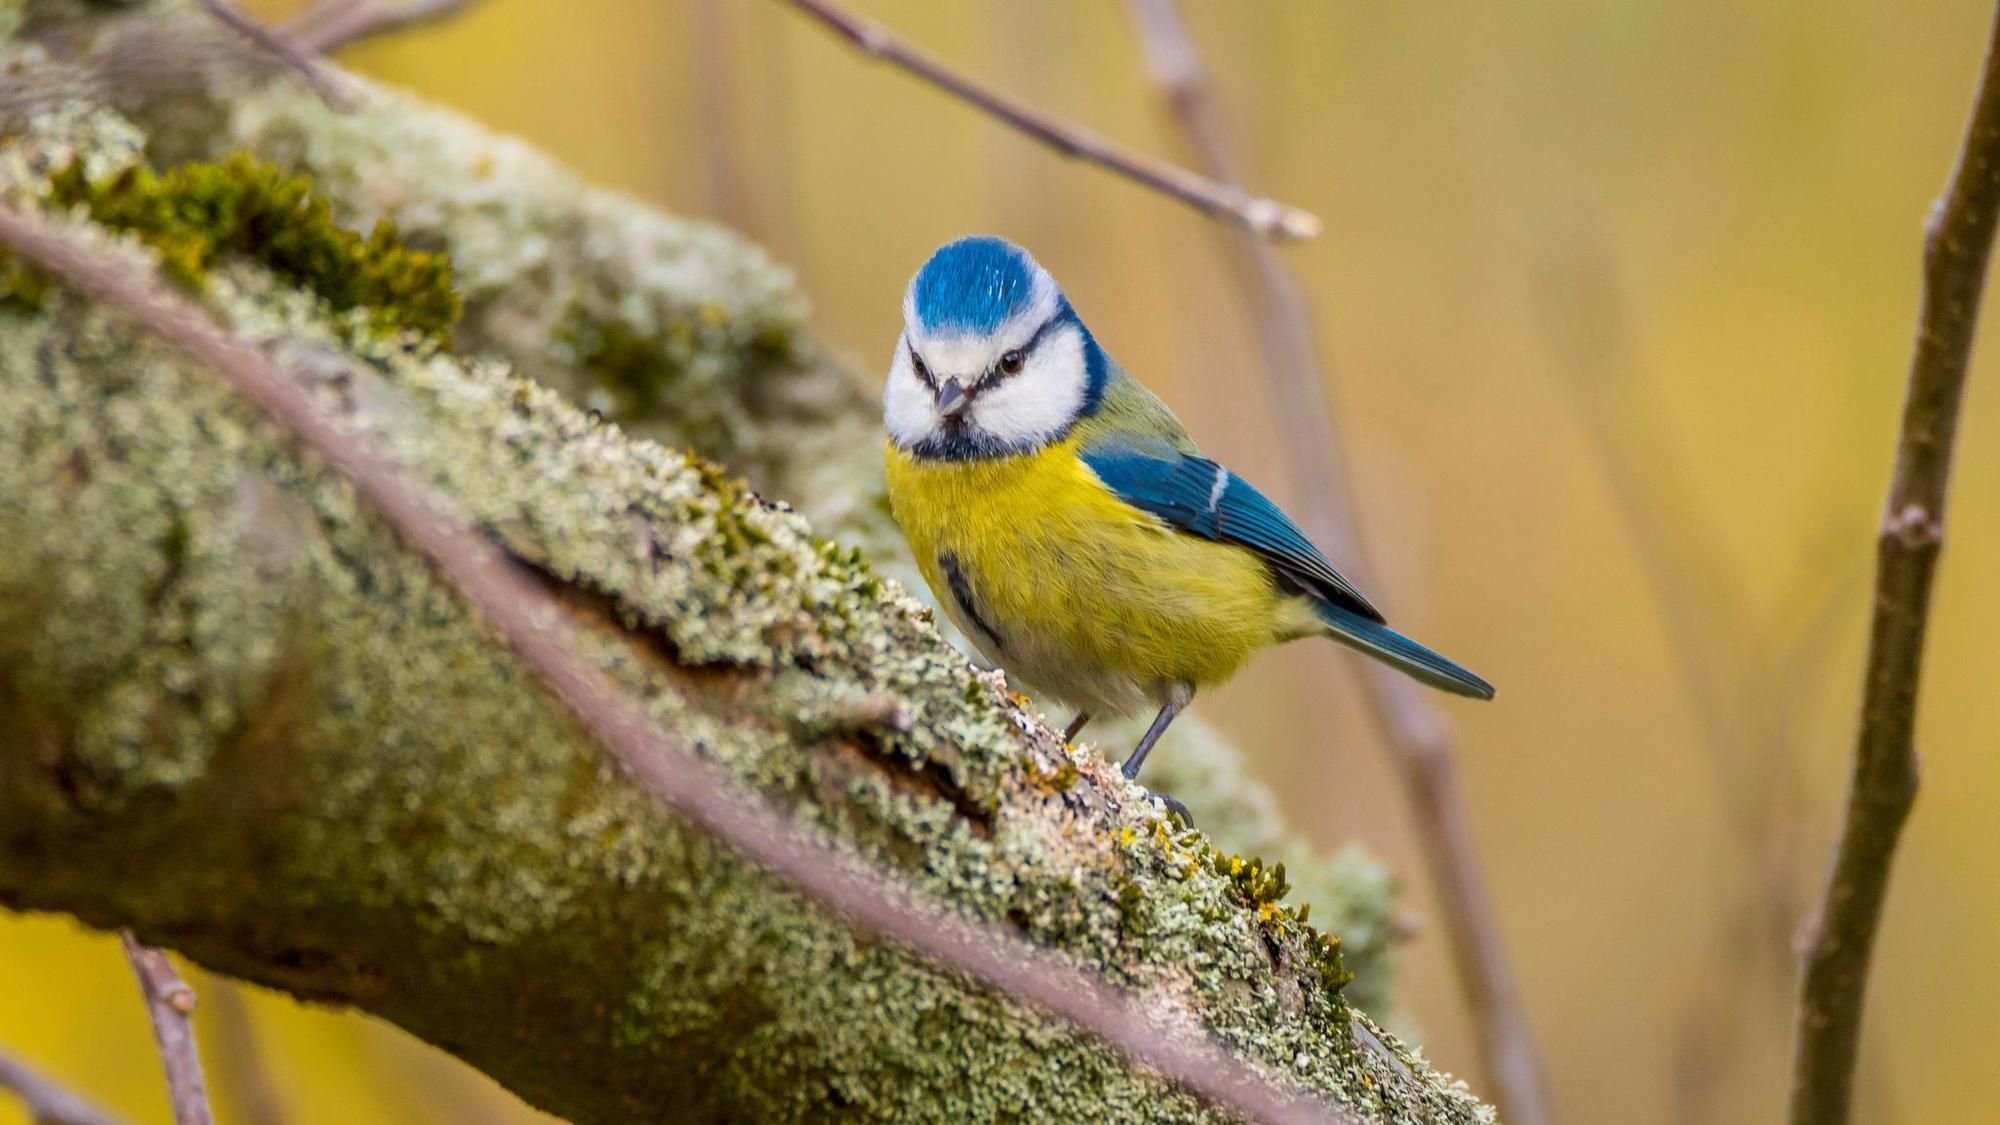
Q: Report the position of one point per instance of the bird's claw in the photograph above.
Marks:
(1174, 807)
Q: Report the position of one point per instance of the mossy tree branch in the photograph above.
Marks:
(774, 662)
(529, 621)
(1958, 240)
(236, 715)
(678, 330)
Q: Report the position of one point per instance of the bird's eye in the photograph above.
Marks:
(1011, 363)
(923, 372)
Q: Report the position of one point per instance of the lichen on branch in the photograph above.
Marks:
(683, 332)
(237, 716)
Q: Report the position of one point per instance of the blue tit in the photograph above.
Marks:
(1067, 523)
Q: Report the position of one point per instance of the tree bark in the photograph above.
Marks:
(238, 717)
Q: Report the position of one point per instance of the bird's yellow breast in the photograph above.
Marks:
(1075, 591)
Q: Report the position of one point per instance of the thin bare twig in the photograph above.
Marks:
(1265, 216)
(283, 47)
(47, 1101)
(1700, 610)
(243, 1078)
(713, 65)
(1420, 742)
(328, 26)
(1584, 309)
(169, 1002)
(1958, 240)
(1746, 686)
(535, 628)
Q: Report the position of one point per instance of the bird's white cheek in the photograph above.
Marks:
(909, 413)
(1016, 415)
(1042, 400)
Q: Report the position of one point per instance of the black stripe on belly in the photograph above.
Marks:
(961, 592)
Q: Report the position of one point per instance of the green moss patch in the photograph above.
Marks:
(193, 214)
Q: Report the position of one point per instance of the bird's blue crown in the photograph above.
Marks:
(972, 285)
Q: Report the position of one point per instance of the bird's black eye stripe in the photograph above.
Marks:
(923, 372)
(1011, 362)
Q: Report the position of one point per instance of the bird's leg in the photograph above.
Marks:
(1182, 695)
(1160, 723)
(1075, 726)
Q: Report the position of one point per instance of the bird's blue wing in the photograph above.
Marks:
(1200, 497)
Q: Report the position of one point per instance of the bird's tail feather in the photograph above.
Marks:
(1400, 652)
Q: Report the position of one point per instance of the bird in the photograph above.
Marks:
(1069, 526)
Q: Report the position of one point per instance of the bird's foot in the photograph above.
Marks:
(1174, 807)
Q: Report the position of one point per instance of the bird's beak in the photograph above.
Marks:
(952, 399)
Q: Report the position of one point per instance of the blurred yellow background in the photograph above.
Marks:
(1616, 300)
